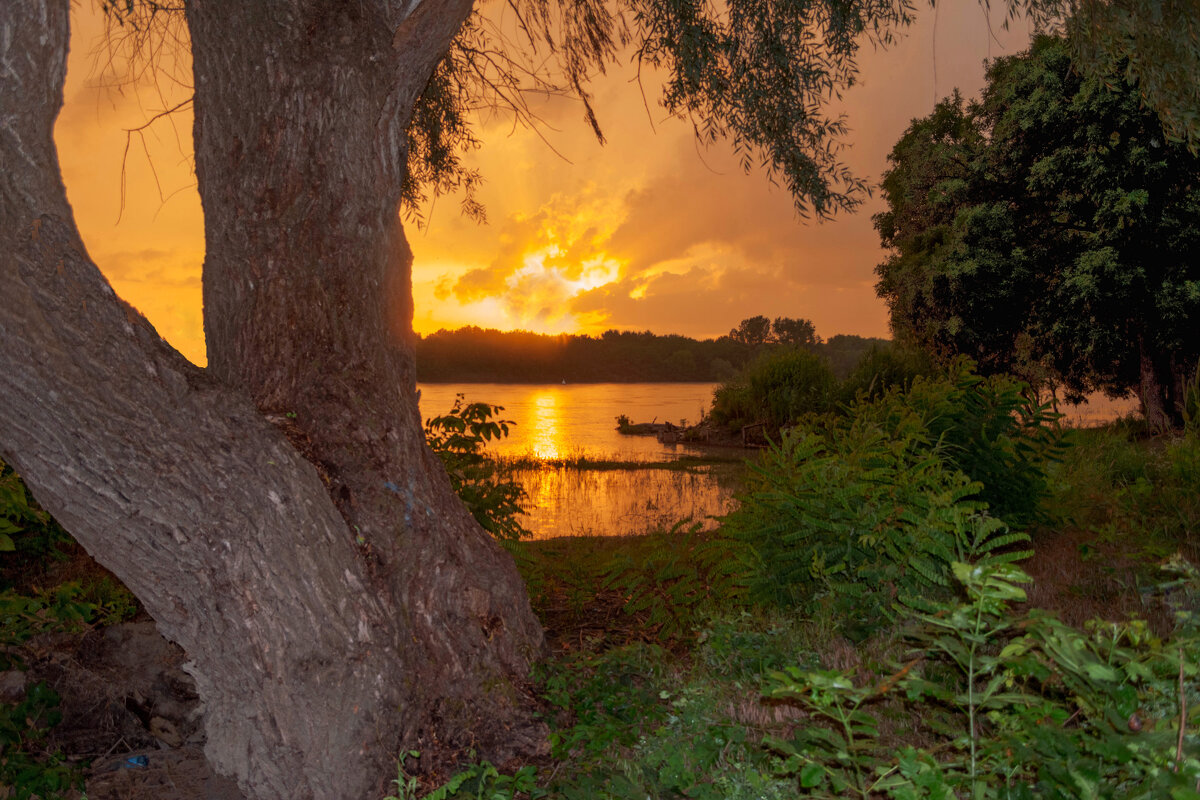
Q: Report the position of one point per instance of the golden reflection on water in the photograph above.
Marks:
(545, 425)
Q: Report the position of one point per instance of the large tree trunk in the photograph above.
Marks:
(333, 615)
(1152, 390)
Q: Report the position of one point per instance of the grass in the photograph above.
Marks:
(1122, 501)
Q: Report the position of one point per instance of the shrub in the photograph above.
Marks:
(857, 511)
(993, 429)
(777, 388)
(884, 367)
(857, 519)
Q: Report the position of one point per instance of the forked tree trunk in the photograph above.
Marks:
(333, 615)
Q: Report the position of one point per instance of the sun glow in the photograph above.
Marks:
(536, 296)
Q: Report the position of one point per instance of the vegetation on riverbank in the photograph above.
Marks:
(687, 461)
(675, 677)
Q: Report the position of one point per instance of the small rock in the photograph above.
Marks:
(165, 731)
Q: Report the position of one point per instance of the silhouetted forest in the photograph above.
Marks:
(477, 355)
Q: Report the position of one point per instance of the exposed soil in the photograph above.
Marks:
(129, 711)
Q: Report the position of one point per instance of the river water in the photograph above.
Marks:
(555, 421)
(569, 421)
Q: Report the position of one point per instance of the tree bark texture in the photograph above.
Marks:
(336, 601)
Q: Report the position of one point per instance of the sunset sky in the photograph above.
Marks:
(646, 232)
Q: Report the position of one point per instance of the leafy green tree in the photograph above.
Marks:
(1051, 230)
(800, 332)
(752, 331)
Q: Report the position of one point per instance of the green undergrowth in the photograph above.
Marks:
(966, 697)
(1135, 492)
(862, 626)
(35, 599)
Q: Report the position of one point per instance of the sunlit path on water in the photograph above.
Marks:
(544, 427)
(571, 420)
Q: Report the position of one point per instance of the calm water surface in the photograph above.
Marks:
(567, 420)
(556, 421)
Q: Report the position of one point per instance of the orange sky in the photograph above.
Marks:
(646, 232)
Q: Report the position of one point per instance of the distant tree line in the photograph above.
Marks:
(474, 354)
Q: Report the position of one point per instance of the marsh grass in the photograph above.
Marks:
(586, 502)
(583, 461)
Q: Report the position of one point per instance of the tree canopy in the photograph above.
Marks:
(761, 74)
(1051, 230)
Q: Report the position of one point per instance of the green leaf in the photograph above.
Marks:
(811, 774)
(1101, 672)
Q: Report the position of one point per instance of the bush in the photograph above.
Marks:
(993, 429)
(857, 511)
(855, 520)
(777, 388)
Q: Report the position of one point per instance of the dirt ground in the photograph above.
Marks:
(129, 710)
